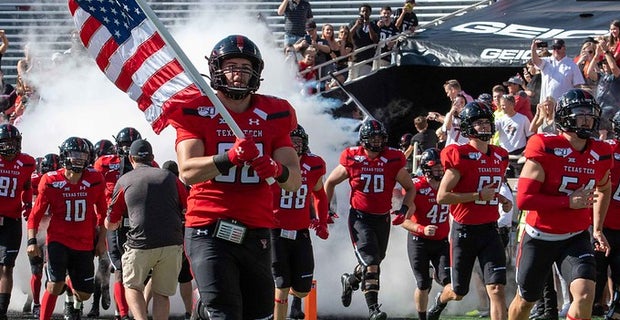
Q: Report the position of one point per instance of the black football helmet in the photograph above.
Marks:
(615, 124)
(235, 46)
(405, 141)
(51, 162)
(91, 152)
(104, 147)
(471, 112)
(10, 140)
(74, 154)
(429, 158)
(301, 133)
(573, 103)
(125, 138)
(369, 129)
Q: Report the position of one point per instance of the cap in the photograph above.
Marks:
(171, 166)
(513, 80)
(485, 97)
(140, 148)
(310, 25)
(557, 43)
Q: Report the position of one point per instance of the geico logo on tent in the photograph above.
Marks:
(523, 31)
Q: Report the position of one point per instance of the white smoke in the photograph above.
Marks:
(79, 101)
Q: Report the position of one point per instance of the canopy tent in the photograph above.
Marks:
(501, 33)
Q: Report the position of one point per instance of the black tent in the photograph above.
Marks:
(501, 34)
(481, 48)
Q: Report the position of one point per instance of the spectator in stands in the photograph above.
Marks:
(522, 101)
(364, 33)
(532, 79)
(406, 19)
(559, 73)
(26, 64)
(514, 130)
(498, 91)
(8, 94)
(453, 88)
(614, 40)
(330, 48)
(452, 124)
(387, 29)
(607, 74)
(4, 45)
(26, 96)
(307, 63)
(346, 47)
(544, 119)
(312, 39)
(296, 14)
(441, 138)
(586, 55)
(425, 138)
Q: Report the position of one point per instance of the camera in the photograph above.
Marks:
(543, 44)
(308, 38)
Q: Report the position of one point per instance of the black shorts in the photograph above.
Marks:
(292, 260)
(185, 275)
(79, 265)
(10, 240)
(369, 234)
(116, 239)
(425, 252)
(469, 242)
(574, 257)
(234, 280)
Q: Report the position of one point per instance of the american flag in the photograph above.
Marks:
(129, 50)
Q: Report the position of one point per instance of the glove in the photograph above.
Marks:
(401, 215)
(26, 211)
(314, 223)
(244, 150)
(322, 231)
(266, 167)
(332, 217)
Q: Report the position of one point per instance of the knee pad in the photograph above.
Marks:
(370, 280)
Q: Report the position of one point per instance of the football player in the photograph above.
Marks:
(566, 186)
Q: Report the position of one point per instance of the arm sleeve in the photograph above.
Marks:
(530, 197)
(320, 203)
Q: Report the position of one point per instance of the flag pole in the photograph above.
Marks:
(193, 73)
(191, 70)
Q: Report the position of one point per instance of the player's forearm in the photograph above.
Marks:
(600, 207)
(198, 170)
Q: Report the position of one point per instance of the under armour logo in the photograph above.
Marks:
(462, 235)
(572, 160)
(253, 122)
(221, 121)
(202, 232)
(590, 161)
(239, 151)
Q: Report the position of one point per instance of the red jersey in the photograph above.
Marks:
(292, 209)
(428, 211)
(566, 170)
(612, 219)
(239, 194)
(35, 178)
(372, 180)
(75, 209)
(15, 184)
(476, 169)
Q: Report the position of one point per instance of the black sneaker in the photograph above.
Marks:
(435, 311)
(105, 297)
(347, 290)
(68, 313)
(36, 311)
(296, 312)
(94, 312)
(376, 314)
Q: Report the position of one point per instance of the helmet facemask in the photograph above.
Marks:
(220, 78)
(10, 147)
(571, 122)
(428, 171)
(76, 161)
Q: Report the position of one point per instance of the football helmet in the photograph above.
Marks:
(10, 140)
(429, 158)
(91, 152)
(405, 141)
(577, 102)
(471, 112)
(235, 46)
(370, 129)
(74, 154)
(104, 147)
(124, 138)
(51, 162)
(615, 123)
(301, 133)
